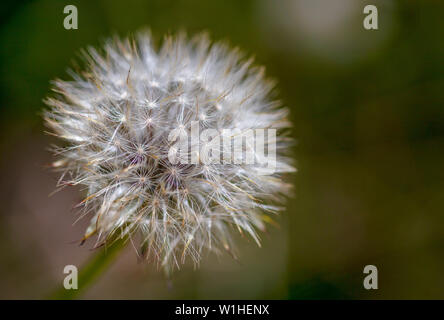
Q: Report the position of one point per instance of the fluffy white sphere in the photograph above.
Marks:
(116, 119)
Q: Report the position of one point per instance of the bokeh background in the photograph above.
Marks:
(368, 114)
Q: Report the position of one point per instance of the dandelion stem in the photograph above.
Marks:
(90, 272)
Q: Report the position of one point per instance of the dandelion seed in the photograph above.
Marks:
(116, 145)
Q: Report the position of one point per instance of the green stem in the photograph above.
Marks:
(90, 272)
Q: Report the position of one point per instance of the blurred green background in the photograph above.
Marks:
(368, 114)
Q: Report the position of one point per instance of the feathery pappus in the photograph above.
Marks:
(116, 117)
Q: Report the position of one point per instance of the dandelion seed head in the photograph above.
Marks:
(115, 118)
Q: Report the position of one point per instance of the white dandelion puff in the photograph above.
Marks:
(116, 120)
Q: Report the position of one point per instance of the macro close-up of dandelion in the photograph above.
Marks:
(231, 152)
(120, 120)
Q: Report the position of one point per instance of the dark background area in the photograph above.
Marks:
(368, 114)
